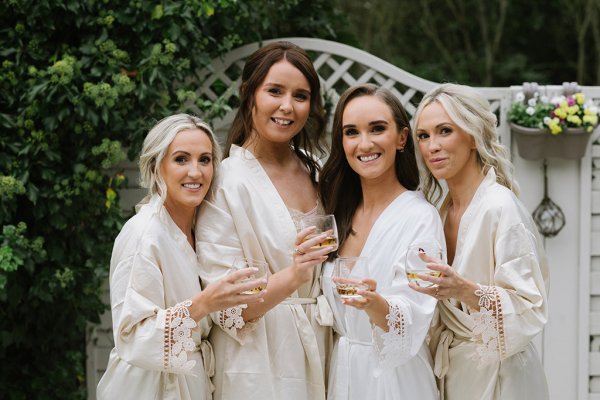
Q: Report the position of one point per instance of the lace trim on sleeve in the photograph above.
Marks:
(231, 319)
(394, 345)
(488, 331)
(178, 337)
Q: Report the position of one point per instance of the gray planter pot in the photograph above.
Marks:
(537, 144)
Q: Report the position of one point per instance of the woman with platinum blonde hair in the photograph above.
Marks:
(159, 310)
(493, 291)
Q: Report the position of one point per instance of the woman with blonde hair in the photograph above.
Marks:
(159, 310)
(493, 291)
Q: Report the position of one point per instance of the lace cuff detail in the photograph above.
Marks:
(231, 319)
(393, 346)
(488, 331)
(178, 338)
(233, 323)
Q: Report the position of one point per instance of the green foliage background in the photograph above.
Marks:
(483, 43)
(80, 81)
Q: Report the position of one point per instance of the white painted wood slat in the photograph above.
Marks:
(595, 363)
(595, 283)
(595, 244)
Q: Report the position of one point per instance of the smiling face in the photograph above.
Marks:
(282, 104)
(187, 169)
(370, 138)
(447, 150)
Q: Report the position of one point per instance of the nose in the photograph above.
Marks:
(433, 145)
(286, 104)
(365, 142)
(194, 171)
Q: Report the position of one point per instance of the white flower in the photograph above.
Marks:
(530, 110)
(520, 96)
(593, 109)
(532, 102)
(547, 120)
(544, 99)
(556, 100)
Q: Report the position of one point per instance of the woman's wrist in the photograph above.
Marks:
(379, 311)
(199, 308)
(468, 296)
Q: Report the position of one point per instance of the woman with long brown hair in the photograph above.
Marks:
(369, 183)
(276, 349)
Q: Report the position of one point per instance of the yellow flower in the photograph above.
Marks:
(560, 113)
(554, 126)
(555, 129)
(573, 110)
(579, 98)
(591, 119)
(574, 119)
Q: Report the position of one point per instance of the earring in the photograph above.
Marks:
(401, 149)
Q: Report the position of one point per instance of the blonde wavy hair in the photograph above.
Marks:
(157, 142)
(471, 113)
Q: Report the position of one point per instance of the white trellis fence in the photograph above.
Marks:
(570, 344)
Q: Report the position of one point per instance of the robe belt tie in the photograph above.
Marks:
(442, 356)
(359, 342)
(323, 315)
(300, 300)
(208, 359)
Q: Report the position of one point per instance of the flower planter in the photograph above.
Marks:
(537, 144)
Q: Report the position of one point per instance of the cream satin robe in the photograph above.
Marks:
(368, 363)
(281, 355)
(489, 354)
(159, 353)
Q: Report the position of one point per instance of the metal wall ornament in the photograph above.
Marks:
(548, 216)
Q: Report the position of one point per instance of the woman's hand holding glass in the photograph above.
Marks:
(322, 224)
(311, 249)
(352, 283)
(231, 291)
(428, 273)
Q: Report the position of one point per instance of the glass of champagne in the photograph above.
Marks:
(347, 275)
(324, 224)
(262, 266)
(419, 253)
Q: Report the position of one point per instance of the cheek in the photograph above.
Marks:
(209, 173)
(303, 110)
(347, 147)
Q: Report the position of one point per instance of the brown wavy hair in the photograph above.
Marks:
(339, 185)
(308, 142)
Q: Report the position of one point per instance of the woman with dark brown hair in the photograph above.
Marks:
(267, 183)
(369, 184)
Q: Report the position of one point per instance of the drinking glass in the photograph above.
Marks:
(324, 224)
(262, 266)
(347, 275)
(419, 253)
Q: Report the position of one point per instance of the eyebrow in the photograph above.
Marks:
(278, 85)
(189, 154)
(376, 122)
(437, 126)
